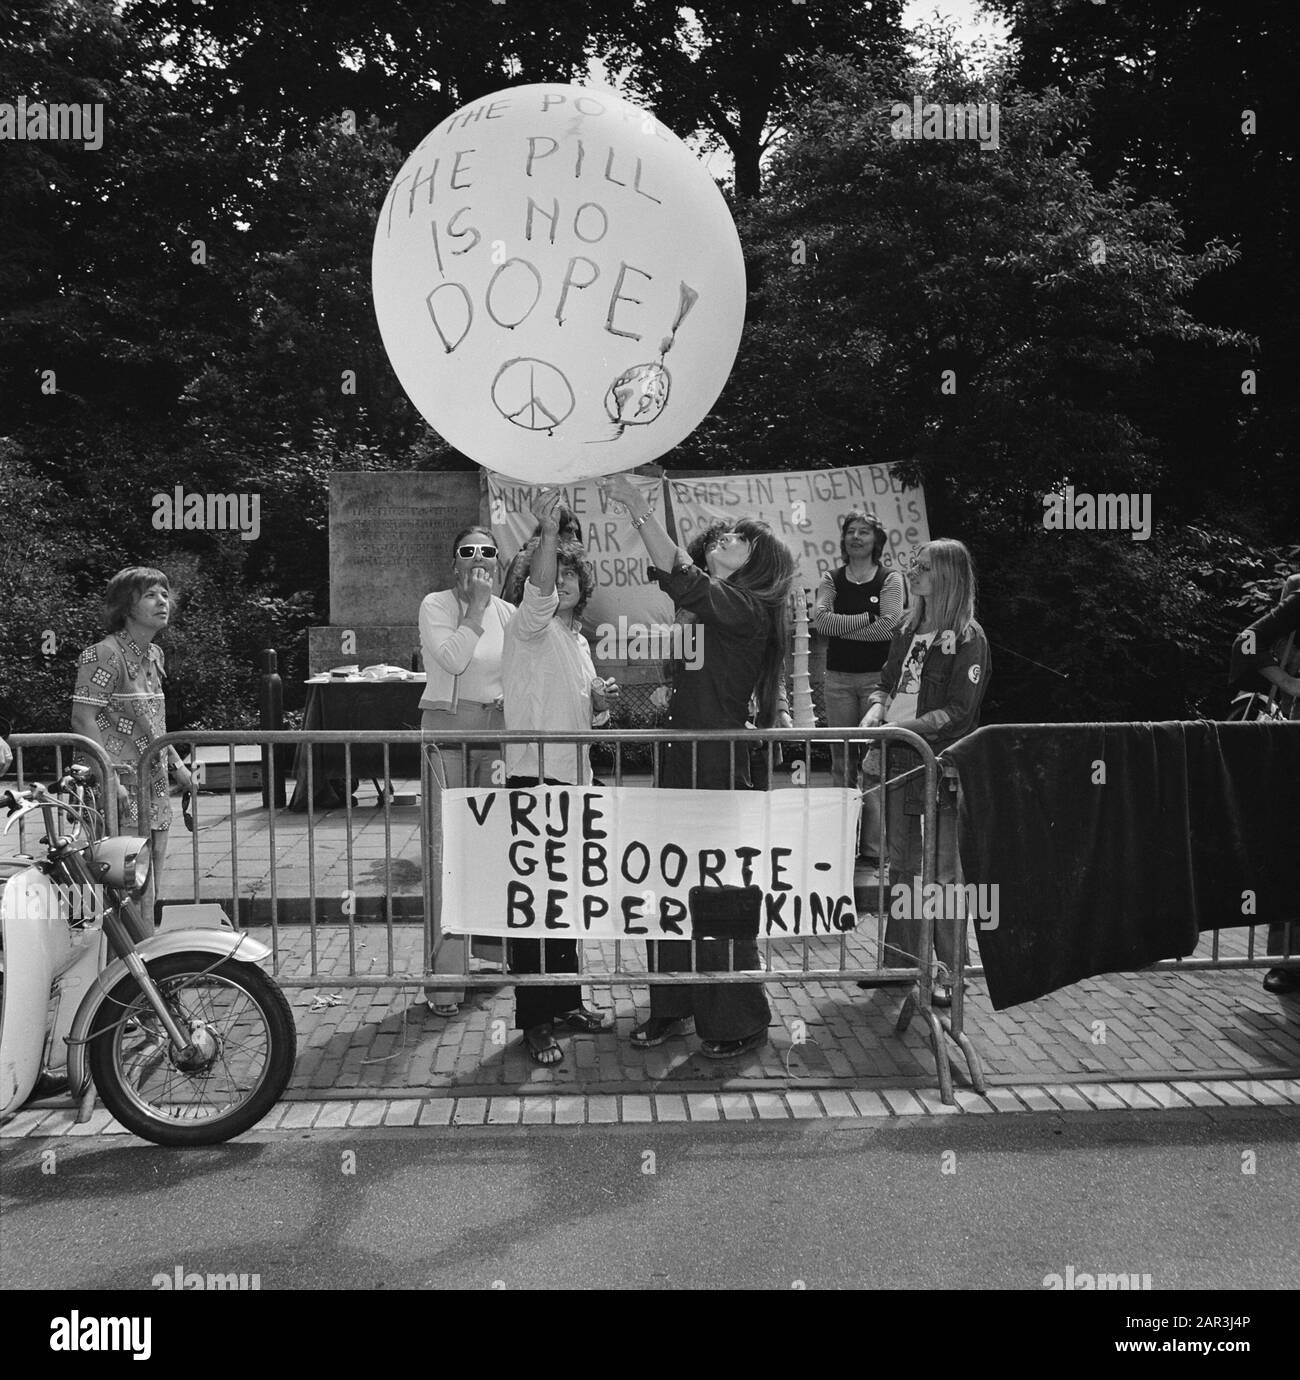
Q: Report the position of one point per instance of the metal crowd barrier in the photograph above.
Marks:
(295, 851)
(64, 746)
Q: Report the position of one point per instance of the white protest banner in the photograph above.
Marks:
(558, 283)
(590, 862)
(805, 508)
(623, 584)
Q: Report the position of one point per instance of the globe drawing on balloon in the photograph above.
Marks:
(638, 395)
(558, 283)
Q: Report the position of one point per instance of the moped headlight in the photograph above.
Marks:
(122, 862)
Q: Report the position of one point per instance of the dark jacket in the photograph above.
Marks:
(951, 692)
(1265, 633)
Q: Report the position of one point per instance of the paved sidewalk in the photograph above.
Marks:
(1215, 1099)
(1162, 1025)
(1113, 1041)
(1155, 1025)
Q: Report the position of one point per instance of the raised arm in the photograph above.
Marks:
(663, 551)
(545, 508)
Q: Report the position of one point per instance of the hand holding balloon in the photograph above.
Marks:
(545, 507)
(620, 489)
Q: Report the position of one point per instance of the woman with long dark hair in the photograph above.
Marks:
(933, 684)
(741, 604)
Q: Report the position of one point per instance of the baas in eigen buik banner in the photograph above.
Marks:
(592, 862)
(806, 508)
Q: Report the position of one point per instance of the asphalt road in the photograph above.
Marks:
(962, 1202)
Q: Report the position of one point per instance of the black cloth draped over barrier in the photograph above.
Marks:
(1114, 845)
(355, 705)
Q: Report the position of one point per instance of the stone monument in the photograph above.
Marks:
(390, 540)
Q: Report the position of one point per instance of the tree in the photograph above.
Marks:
(1192, 106)
(984, 314)
(739, 73)
(405, 64)
(986, 318)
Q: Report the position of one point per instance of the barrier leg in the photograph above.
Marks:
(906, 1012)
(942, 1066)
(973, 1065)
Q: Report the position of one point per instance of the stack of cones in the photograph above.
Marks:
(802, 708)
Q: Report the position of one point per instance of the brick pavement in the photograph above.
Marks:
(1157, 1025)
(1173, 1038)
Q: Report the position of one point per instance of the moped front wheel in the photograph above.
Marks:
(237, 1066)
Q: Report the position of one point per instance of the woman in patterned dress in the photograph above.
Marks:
(118, 702)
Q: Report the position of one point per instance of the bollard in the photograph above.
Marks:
(272, 718)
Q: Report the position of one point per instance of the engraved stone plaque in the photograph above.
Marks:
(390, 541)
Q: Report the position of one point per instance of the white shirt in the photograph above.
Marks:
(547, 672)
(459, 662)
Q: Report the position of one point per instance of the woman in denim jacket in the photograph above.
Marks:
(933, 684)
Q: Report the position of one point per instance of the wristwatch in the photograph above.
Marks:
(639, 523)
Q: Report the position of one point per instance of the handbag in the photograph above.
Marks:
(725, 912)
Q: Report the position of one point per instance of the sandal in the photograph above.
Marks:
(444, 1009)
(542, 1048)
(589, 1018)
(658, 1029)
(729, 1049)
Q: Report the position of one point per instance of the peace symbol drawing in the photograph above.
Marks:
(532, 394)
(558, 283)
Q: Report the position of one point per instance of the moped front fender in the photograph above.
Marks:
(219, 943)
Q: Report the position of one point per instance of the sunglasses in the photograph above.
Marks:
(467, 553)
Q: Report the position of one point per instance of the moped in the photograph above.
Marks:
(185, 1038)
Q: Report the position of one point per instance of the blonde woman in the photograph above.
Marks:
(933, 684)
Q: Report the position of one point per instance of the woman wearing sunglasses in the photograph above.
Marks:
(933, 684)
(462, 637)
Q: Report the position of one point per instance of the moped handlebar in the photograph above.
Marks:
(37, 797)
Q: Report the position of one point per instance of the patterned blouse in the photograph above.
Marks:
(124, 685)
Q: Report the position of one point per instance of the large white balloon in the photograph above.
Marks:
(559, 283)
